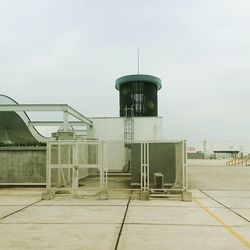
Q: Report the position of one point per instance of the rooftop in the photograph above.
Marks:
(217, 218)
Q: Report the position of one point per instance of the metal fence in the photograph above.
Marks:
(67, 161)
(152, 160)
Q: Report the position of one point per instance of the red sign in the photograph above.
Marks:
(191, 149)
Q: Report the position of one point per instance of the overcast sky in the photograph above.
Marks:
(73, 51)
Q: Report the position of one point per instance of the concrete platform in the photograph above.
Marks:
(214, 174)
(71, 223)
(217, 218)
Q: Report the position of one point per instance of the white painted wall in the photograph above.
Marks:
(108, 128)
(148, 128)
(111, 129)
(116, 155)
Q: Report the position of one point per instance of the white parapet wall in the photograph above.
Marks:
(148, 128)
(111, 129)
(108, 128)
(116, 155)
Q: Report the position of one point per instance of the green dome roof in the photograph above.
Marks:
(138, 78)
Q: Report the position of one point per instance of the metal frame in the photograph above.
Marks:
(145, 166)
(54, 123)
(74, 165)
(46, 107)
(66, 110)
(184, 166)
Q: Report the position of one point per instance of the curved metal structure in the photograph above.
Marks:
(15, 128)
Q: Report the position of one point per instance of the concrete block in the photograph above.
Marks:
(103, 195)
(145, 195)
(64, 135)
(186, 196)
(62, 191)
(48, 195)
(158, 180)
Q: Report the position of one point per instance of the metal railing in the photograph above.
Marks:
(243, 161)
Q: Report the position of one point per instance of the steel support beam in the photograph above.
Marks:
(79, 116)
(33, 107)
(47, 107)
(55, 123)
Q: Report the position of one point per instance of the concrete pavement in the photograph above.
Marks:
(218, 217)
(82, 223)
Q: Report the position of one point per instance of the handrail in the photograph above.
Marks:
(243, 161)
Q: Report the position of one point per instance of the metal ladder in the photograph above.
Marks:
(129, 125)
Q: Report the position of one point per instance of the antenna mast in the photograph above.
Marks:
(138, 60)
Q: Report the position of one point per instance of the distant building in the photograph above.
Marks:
(220, 150)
